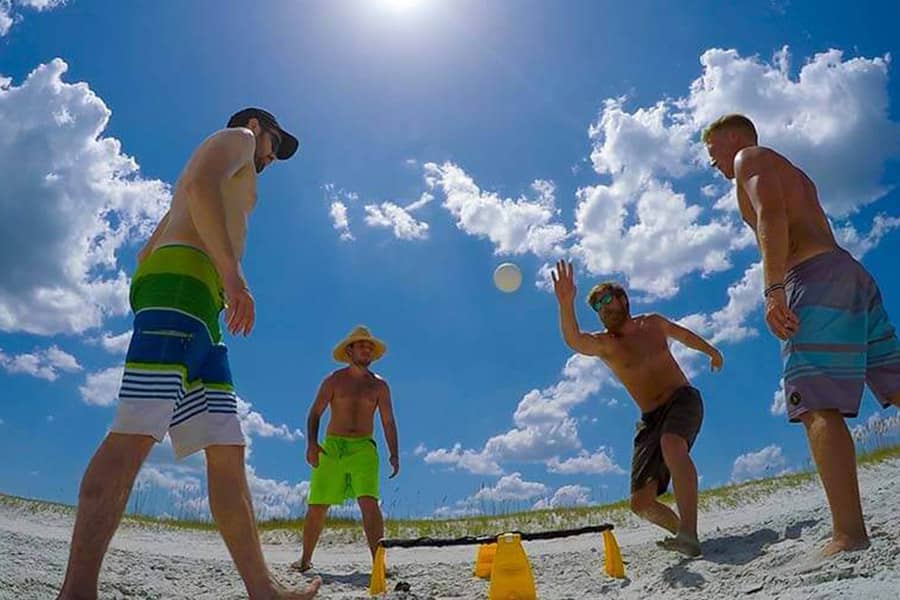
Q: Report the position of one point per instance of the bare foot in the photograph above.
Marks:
(844, 544)
(299, 565)
(282, 593)
(683, 543)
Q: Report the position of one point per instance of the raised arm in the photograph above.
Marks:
(564, 288)
(757, 174)
(691, 340)
(217, 161)
(323, 397)
(389, 425)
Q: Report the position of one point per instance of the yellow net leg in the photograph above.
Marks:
(511, 574)
(612, 558)
(484, 560)
(377, 584)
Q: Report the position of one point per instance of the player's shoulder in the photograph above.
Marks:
(753, 157)
(379, 379)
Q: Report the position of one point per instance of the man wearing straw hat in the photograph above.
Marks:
(345, 466)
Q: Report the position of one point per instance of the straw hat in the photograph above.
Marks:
(359, 334)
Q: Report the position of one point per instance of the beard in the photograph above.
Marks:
(361, 362)
(614, 319)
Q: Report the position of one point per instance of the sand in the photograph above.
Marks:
(757, 549)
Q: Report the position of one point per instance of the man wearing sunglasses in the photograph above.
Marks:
(636, 350)
(177, 379)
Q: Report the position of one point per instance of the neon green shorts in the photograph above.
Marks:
(347, 470)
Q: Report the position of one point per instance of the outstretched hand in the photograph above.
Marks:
(563, 281)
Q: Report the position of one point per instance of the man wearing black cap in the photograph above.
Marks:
(176, 378)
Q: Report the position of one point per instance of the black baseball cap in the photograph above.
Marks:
(289, 143)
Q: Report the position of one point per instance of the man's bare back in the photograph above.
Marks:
(353, 402)
(238, 191)
(809, 233)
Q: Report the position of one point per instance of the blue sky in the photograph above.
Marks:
(438, 139)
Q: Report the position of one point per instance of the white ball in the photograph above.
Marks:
(507, 277)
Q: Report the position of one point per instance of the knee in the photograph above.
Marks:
(815, 419)
(640, 504)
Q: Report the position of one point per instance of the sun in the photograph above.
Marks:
(400, 5)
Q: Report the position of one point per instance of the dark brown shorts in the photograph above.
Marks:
(681, 415)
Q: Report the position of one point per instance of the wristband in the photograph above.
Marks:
(772, 288)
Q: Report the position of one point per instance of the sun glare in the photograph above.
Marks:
(400, 5)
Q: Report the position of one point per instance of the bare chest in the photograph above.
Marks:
(637, 351)
(356, 394)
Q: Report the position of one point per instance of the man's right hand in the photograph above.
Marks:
(312, 454)
(563, 282)
(240, 308)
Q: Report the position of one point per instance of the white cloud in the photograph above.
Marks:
(468, 460)
(766, 462)
(711, 190)
(778, 406)
(831, 119)
(567, 495)
(510, 488)
(93, 203)
(253, 423)
(102, 387)
(397, 218)
(9, 15)
(43, 364)
(420, 450)
(729, 324)
(859, 244)
(513, 226)
(115, 344)
(339, 220)
(275, 499)
(544, 429)
(600, 462)
(649, 234)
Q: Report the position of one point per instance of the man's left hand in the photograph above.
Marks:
(395, 465)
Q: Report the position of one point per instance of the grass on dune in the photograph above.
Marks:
(528, 520)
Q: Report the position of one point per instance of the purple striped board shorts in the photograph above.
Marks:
(845, 339)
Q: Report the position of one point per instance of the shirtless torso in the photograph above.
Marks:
(179, 225)
(808, 231)
(639, 356)
(353, 401)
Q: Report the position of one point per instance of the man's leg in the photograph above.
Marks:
(645, 505)
(232, 509)
(832, 450)
(373, 522)
(102, 497)
(684, 481)
(313, 523)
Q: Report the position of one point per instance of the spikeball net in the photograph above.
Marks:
(501, 559)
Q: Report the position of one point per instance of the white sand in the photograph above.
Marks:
(751, 551)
